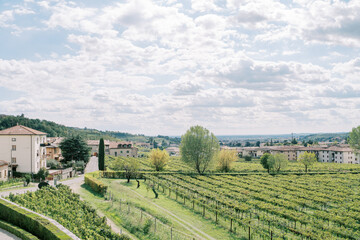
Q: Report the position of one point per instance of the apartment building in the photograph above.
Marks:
(53, 150)
(22, 148)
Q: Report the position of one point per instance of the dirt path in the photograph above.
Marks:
(182, 222)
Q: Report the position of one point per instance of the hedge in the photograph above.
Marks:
(21, 233)
(31, 222)
(95, 184)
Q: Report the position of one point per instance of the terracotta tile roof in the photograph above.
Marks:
(116, 144)
(3, 163)
(96, 142)
(21, 130)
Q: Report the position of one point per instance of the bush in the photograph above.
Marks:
(53, 164)
(42, 174)
(95, 184)
(40, 227)
(27, 179)
(247, 158)
(147, 226)
(21, 233)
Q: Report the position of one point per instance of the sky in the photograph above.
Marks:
(236, 67)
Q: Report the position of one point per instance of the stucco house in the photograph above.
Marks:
(124, 149)
(20, 146)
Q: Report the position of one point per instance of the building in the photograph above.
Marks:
(94, 145)
(123, 149)
(341, 153)
(173, 151)
(4, 168)
(22, 148)
(53, 150)
(143, 144)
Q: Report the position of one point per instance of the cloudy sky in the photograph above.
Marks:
(158, 67)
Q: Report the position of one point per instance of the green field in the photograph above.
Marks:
(284, 206)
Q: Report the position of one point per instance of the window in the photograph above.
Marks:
(13, 160)
(13, 147)
(121, 152)
(115, 154)
(127, 151)
(13, 139)
(5, 173)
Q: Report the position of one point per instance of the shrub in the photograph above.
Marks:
(40, 227)
(95, 184)
(53, 164)
(247, 158)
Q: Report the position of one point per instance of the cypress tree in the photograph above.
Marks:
(101, 155)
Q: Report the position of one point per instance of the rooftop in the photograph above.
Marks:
(3, 163)
(21, 130)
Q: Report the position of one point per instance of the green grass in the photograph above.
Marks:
(124, 190)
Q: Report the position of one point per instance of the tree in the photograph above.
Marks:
(198, 147)
(159, 158)
(101, 155)
(294, 141)
(264, 161)
(354, 139)
(74, 148)
(277, 161)
(129, 165)
(42, 173)
(308, 159)
(225, 158)
(258, 143)
(247, 144)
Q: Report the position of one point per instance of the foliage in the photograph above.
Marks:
(225, 159)
(53, 164)
(277, 162)
(198, 147)
(264, 161)
(308, 159)
(31, 222)
(42, 174)
(289, 206)
(95, 184)
(11, 182)
(74, 148)
(247, 158)
(130, 166)
(101, 155)
(27, 179)
(66, 207)
(19, 232)
(354, 139)
(42, 184)
(159, 159)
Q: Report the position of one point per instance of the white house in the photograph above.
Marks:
(20, 146)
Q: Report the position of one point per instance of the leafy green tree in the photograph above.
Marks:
(264, 161)
(308, 159)
(294, 141)
(198, 147)
(101, 160)
(354, 139)
(129, 165)
(74, 148)
(247, 144)
(277, 162)
(225, 158)
(159, 158)
(258, 144)
(42, 174)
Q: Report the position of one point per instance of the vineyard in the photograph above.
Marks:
(176, 165)
(271, 207)
(66, 208)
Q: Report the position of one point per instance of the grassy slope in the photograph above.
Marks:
(145, 198)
